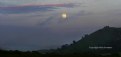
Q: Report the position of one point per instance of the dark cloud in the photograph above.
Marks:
(47, 21)
(32, 8)
(24, 9)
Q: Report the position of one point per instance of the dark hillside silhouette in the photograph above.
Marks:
(107, 39)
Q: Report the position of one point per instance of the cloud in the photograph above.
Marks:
(24, 9)
(32, 8)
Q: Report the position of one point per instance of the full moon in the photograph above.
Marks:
(64, 15)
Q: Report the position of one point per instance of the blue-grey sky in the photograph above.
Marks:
(37, 24)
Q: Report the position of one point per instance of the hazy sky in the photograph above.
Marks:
(37, 24)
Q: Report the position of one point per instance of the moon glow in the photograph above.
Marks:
(64, 15)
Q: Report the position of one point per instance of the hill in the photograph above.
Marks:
(105, 40)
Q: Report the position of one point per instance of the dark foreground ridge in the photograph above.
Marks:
(105, 42)
(16, 53)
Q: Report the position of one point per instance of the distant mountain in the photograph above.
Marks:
(107, 39)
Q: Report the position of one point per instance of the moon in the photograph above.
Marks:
(64, 15)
